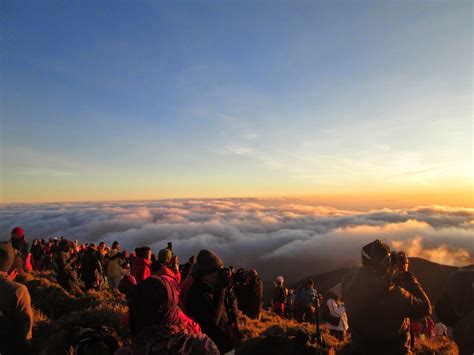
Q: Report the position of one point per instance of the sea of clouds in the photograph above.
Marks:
(274, 236)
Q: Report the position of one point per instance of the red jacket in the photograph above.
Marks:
(140, 269)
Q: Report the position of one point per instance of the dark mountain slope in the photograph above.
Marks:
(432, 276)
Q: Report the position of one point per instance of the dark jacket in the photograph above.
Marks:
(206, 306)
(378, 312)
(140, 269)
(456, 309)
(251, 298)
(279, 294)
(16, 317)
(65, 270)
(91, 270)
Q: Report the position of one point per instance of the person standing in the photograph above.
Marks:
(251, 295)
(280, 294)
(378, 311)
(305, 297)
(114, 262)
(208, 302)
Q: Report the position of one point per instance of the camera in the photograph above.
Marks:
(398, 259)
(229, 277)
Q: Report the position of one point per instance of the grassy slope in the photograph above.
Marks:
(57, 312)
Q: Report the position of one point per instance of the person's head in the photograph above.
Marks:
(127, 284)
(6, 256)
(208, 265)
(309, 284)
(101, 246)
(115, 246)
(64, 245)
(251, 275)
(279, 280)
(376, 257)
(164, 256)
(146, 252)
(17, 233)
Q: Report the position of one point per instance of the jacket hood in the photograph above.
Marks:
(141, 261)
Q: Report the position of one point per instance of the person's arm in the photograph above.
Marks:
(416, 301)
(208, 310)
(23, 315)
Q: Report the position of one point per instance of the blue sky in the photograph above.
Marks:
(148, 99)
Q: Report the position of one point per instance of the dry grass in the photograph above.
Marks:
(56, 312)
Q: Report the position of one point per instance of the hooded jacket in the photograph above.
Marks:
(205, 305)
(140, 269)
(378, 312)
(114, 261)
(159, 325)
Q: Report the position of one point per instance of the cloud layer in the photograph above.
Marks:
(275, 236)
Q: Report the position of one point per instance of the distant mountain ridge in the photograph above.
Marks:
(433, 277)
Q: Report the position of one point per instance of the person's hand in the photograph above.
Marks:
(12, 274)
(174, 263)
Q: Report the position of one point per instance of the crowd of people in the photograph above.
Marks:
(191, 308)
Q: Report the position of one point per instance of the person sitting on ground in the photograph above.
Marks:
(140, 265)
(305, 297)
(114, 263)
(280, 294)
(159, 325)
(378, 311)
(16, 316)
(335, 313)
(209, 302)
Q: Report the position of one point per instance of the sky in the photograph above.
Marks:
(338, 101)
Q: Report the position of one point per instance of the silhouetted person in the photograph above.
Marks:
(250, 299)
(91, 268)
(159, 325)
(280, 293)
(456, 309)
(377, 310)
(16, 316)
(65, 267)
(206, 301)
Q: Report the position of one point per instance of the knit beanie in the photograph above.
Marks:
(208, 262)
(6, 256)
(376, 255)
(17, 233)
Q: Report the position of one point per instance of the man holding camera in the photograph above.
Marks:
(208, 301)
(377, 309)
